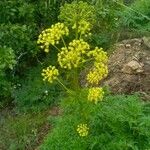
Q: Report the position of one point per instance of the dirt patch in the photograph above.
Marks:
(45, 128)
(25, 130)
(55, 111)
(129, 67)
(42, 132)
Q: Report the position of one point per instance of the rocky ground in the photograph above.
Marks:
(129, 67)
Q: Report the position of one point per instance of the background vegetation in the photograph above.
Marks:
(21, 61)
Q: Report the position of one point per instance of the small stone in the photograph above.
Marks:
(128, 45)
(133, 67)
(146, 41)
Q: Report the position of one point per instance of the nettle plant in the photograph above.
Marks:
(74, 55)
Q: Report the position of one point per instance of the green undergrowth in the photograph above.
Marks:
(32, 94)
(136, 19)
(120, 122)
(21, 131)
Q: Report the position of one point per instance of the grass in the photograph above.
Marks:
(21, 131)
(119, 122)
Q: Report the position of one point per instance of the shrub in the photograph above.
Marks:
(20, 23)
(19, 41)
(7, 62)
(21, 38)
(119, 122)
(17, 12)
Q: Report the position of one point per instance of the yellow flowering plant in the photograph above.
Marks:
(73, 56)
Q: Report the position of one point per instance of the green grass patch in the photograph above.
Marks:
(21, 131)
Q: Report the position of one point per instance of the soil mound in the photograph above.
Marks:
(129, 67)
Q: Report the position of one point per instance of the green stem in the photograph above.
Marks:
(77, 25)
(80, 36)
(88, 60)
(38, 60)
(63, 41)
(57, 48)
(64, 86)
(76, 30)
(75, 81)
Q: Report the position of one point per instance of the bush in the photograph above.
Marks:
(21, 38)
(20, 23)
(15, 11)
(15, 40)
(119, 122)
(7, 62)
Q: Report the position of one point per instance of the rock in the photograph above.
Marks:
(133, 67)
(127, 45)
(146, 41)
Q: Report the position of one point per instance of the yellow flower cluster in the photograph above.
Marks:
(72, 56)
(99, 72)
(84, 27)
(51, 36)
(95, 94)
(100, 69)
(99, 55)
(83, 130)
(50, 74)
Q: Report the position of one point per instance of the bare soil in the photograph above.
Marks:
(129, 68)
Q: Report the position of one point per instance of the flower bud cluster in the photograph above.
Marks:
(72, 56)
(83, 28)
(83, 130)
(50, 74)
(95, 94)
(100, 69)
(51, 36)
(99, 55)
(97, 74)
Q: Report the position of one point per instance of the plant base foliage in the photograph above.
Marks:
(117, 123)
